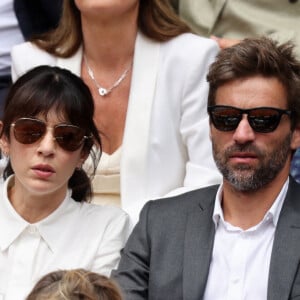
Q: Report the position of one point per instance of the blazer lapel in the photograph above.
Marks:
(136, 135)
(286, 248)
(198, 248)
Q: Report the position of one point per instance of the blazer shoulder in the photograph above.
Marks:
(28, 47)
(168, 214)
(189, 51)
(191, 42)
(26, 56)
(185, 202)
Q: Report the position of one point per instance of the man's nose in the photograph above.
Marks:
(244, 132)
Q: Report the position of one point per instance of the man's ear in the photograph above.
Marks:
(295, 141)
(4, 142)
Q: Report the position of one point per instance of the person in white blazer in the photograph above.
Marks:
(155, 111)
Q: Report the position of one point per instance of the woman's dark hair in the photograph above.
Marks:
(77, 284)
(156, 19)
(46, 88)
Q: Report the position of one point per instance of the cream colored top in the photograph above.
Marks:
(106, 183)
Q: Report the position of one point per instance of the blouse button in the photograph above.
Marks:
(32, 229)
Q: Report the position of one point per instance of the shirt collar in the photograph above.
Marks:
(10, 219)
(273, 213)
(64, 218)
(48, 228)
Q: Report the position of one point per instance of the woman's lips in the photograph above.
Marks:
(43, 171)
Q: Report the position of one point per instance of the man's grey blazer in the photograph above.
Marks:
(168, 253)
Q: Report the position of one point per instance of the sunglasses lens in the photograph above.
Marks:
(225, 118)
(264, 119)
(28, 131)
(69, 137)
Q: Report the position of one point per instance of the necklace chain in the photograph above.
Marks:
(101, 90)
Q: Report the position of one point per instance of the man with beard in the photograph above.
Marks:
(239, 240)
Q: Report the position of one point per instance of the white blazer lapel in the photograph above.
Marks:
(136, 140)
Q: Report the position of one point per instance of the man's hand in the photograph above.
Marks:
(224, 42)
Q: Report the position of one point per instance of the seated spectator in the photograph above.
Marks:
(75, 284)
(229, 21)
(146, 72)
(47, 132)
(240, 239)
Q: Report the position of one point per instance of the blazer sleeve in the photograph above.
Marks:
(133, 271)
(194, 125)
(200, 168)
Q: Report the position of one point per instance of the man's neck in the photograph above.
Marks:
(247, 209)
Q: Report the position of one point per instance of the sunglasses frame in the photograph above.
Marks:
(56, 138)
(280, 112)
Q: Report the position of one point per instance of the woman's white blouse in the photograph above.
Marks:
(75, 235)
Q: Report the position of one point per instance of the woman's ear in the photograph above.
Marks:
(4, 142)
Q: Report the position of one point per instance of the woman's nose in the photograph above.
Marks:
(47, 143)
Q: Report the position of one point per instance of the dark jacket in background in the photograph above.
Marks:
(37, 16)
(34, 17)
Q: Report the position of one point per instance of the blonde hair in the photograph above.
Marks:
(156, 19)
(77, 284)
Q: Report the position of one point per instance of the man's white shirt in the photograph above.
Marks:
(239, 268)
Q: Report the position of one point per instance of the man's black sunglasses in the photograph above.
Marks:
(261, 119)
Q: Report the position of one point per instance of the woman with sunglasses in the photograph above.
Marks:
(146, 72)
(46, 223)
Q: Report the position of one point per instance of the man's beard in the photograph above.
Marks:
(247, 178)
